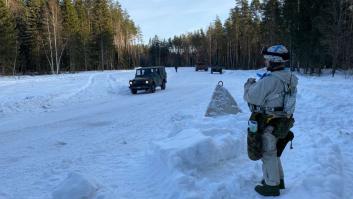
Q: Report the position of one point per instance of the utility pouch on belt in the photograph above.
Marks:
(254, 145)
(282, 143)
(254, 139)
(282, 126)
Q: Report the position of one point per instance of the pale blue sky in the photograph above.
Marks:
(167, 18)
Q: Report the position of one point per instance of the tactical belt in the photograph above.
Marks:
(260, 109)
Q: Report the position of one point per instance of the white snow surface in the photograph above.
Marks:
(75, 186)
(85, 136)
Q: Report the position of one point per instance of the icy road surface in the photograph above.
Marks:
(87, 129)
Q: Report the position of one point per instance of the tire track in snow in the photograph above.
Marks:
(69, 96)
(98, 87)
(43, 101)
(120, 85)
(116, 86)
(112, 82)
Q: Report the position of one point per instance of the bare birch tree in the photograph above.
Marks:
(52, 37)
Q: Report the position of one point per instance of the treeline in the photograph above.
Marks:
(52, 36)
(318, 33)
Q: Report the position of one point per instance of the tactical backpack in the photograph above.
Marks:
(289, 95)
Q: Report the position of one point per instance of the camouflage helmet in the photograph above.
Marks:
(276, 54)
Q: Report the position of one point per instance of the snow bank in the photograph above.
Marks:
(193, 149)
(75, 186)
(186, 161)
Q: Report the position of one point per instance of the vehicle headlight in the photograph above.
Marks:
(130, 82)
(147, 82)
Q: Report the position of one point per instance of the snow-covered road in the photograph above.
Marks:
(160, 145)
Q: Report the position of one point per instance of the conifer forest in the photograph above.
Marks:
(55, 36)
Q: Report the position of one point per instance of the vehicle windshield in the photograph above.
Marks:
(146, 72)
(143, 72)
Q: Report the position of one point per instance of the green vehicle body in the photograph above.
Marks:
(201, 66)
(148, 78)
(216, 69)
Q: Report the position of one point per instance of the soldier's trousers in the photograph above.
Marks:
(271, 164)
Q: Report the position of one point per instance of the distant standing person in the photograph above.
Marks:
(176, 68)
(272, 103)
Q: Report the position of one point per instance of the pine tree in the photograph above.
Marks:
(218, 42)
(23, 38)
(71, 32)
(272, 22)
(33, 35)
(8, 47)
(291, 17)
(84, 34)
(256, 12)
(102, 31)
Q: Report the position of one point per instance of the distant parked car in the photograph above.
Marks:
(201, 66)
(216, 69)
(148, 79)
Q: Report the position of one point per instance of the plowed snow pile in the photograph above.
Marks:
(186, 155)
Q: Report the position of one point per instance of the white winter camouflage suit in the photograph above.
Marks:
(267, 93)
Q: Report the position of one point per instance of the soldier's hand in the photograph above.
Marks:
(251, 81)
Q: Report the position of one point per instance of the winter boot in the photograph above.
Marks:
(267, 190)
(281, 184)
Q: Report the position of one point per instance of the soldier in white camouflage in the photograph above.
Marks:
(267, 99)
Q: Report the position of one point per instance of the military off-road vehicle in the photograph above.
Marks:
(201, 66)
(216, 69)
(148, 78)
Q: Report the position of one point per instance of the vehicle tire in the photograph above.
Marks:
(134, 91)
(206, 70)
(153, 88)
(163, 86)
(211, 72)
